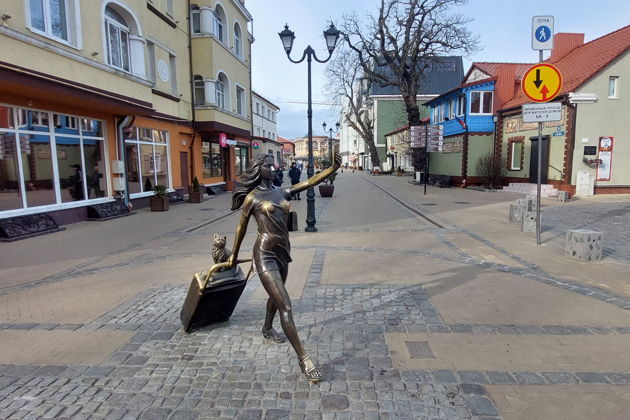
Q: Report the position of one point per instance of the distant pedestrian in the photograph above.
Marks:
(278, 176)
(294, 175)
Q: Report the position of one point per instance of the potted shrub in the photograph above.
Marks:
(159, 202)
(327, 188)
(195, 195)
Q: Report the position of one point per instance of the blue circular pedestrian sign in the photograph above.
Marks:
(543, 33)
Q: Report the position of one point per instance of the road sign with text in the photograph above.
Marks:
(542, 32)
(542, 112)
(542, 82)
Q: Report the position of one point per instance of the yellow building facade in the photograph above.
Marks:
(108, 98)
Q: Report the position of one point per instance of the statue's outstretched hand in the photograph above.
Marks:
(337, 160)
(232, 260)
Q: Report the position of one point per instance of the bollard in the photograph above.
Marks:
(583, 245)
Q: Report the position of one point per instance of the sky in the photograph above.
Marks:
(503, 27)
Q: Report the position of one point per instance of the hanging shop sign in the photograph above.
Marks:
(223, 139)
(604, 166)
(255, 145)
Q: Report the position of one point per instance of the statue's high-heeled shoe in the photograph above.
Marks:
(310, 371)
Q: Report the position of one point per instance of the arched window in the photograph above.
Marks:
(200, 90)
(238, 45)
(195, 19)
(220, 91)
(218, 24)
(117, 31)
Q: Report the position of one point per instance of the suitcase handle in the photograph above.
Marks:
(215, 268)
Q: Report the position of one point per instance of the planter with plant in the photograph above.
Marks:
(327, 188)
(195, 195)
(159, 202)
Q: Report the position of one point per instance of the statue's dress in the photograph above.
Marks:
(270, 208)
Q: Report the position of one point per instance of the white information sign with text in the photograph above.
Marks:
(543, 112)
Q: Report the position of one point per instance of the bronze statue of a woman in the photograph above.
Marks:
(269, 205)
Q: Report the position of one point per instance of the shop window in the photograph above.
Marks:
(54, 19)
(46, 159)
(147, 159)
(481, 103)
(212, 159)
(241, 160)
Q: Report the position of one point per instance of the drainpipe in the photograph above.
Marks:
(124, 123)
(192, 97)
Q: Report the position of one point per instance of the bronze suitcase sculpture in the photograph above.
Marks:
(212, 298)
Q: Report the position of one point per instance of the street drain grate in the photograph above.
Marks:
(461, 202)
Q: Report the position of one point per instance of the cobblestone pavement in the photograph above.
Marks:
(612, 219)
(228, 370)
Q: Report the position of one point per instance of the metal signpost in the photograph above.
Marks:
(429, 137)
(541, 83)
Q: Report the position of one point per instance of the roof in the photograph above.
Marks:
(265, 99)
(443, 74)
(283, 140)
(492, 69)
(584, 62)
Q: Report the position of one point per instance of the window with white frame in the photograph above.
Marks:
(172, 62)
(169, 7)
(49, 159)
(151, 58)
(117, 32)
(220, 91)
(147, 159)
(240, 101)
(515, 151)
(258, 108)
(613, 92)
(217, 24)
(481, 102)
(200, 90)
(54, 19)
(238, 45)
(195, 19)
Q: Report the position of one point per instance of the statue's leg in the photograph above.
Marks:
(268, 331)
(273, 282)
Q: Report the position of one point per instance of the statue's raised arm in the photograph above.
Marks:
(318, 178)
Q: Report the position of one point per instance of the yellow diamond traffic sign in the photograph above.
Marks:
(542, 82)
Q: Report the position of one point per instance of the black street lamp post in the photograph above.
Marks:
(287, 36)
(330, 132)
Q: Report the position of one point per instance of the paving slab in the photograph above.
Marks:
(584, 402)
(484, 352)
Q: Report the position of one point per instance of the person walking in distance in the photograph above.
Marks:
(278, 176)
(294, 175)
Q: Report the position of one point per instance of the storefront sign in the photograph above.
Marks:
(605, 158)
(255, 145)
(223, 139)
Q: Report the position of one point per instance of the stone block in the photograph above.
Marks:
(584, 245)
(563, 196)
(516, 213)
(529, 221)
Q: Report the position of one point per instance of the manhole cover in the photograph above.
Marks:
(427, 204)
(461, 202)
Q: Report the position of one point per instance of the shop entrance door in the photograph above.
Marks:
(533, 160)
(183, 167)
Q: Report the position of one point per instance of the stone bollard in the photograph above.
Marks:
(583, 245)
(516, 213)
(531, 203)
(529, 221)
(562, 196)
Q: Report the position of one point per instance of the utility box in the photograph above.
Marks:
(585, 185)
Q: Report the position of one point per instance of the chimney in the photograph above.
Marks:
(564, 43)
(504, 86)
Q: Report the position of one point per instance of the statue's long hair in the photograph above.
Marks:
(249, 180)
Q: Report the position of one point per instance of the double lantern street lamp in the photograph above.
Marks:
(330, 132)
(331, 35)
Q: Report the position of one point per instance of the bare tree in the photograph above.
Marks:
(347, 87)
(395, 47)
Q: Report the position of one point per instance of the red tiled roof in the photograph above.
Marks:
(582, 63)
(283, 140)
(492, 69)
